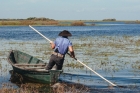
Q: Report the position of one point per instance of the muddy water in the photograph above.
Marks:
(114, 55)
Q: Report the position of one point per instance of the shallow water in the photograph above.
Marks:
(111, 50)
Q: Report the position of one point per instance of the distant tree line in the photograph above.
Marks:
(30, 18)
(11, 19)
(40, 19)
(109, 19)
(29, 21)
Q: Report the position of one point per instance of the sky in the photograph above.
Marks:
(71, 9)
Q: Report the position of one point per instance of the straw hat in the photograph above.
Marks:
(65, 33)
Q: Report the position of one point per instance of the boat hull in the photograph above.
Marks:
(32, 70)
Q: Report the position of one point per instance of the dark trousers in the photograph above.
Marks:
(55, 60)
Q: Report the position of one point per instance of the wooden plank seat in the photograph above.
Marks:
(29, 64)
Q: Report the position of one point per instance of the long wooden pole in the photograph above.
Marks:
(94, 71)
(40, 34)
(78, 60)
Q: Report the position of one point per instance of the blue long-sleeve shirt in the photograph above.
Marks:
(62, 44)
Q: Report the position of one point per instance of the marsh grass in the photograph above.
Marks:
(105, 48)
(2, 53)
(137, 43)
(26, 88)
(74, 65)
(136, 65)
(92, 48)
(136, 51)
(44, 88)
(105, 53)
(0, 66)
(69, 88)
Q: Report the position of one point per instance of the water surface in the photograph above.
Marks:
(111, 49)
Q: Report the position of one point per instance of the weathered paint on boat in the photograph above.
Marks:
(32, 68)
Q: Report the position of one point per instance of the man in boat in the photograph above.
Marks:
(61, 46)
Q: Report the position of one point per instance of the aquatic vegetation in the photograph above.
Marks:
(107, 54)
(0, 65)
(26, 88)
(136, 65)
(137, 43)
(44, 88)
(74, 65)
(2, 53)
(87, 48)
(69, 88)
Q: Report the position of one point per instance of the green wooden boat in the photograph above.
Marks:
(32, 68)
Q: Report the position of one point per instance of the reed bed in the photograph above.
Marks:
(25, 88)
(106, 53)
(44, 88)
(69, 88)
(91, 50)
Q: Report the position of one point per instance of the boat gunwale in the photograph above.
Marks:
(28, 68)
(22, 68)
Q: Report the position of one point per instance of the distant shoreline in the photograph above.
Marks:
(51, 22)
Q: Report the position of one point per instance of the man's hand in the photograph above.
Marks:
(72, 54)
(52, 44)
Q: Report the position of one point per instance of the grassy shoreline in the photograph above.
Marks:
(58, 22)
